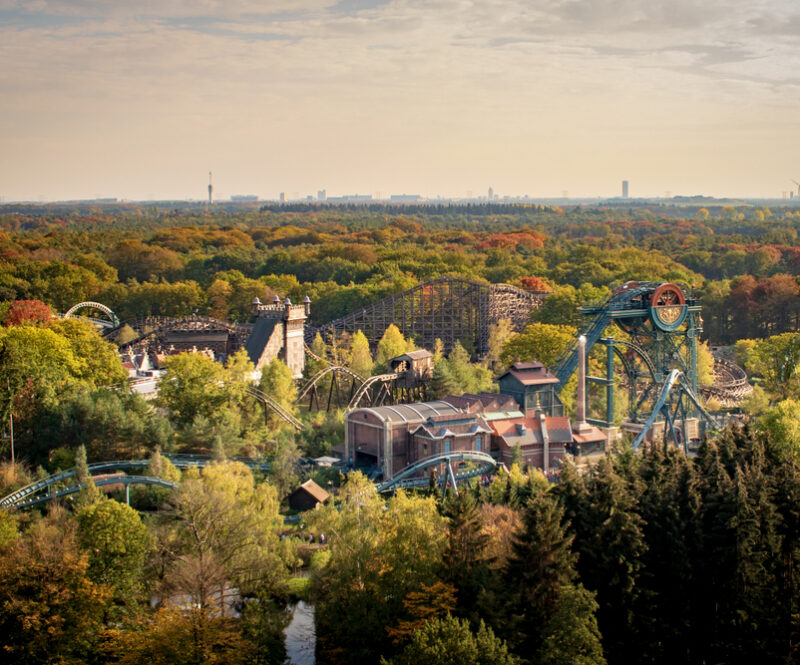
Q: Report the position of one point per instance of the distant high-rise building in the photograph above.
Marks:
(624, 189)
(322, 195)
(282, 197)
(491, 194)
(210, 190)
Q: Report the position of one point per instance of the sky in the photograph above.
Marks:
(140, 99)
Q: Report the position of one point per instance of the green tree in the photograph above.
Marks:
(540, 341)
(360, 356)
(782, 423)
(277, 382)
(449, 640)
(117, 542)
(499, 334)
(561, 306)
(89, 495)
(456, 375)
(192, 385)
(466, 564)
(378, 557)
(571, 635)
(610, 554)
(542, 564)
(228, 525)
(99, 363)
(391, 345)
(36, 367)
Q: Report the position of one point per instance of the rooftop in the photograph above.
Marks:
(530, 374)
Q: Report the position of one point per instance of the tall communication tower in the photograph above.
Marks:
(210, 190)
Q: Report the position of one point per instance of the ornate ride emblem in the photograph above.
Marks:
(669, 314)
(668, 307)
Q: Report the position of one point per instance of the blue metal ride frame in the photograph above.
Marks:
(631, 309)
(100, 482)
(405, 478)
(182, 461)
(675, 379)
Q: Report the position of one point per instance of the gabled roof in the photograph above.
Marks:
(419, 354)
(530, 374)
(508, 430)
(451, 426)
(258, 339)
(310, 487)
(483, 402)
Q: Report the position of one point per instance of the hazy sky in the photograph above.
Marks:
(141, 98)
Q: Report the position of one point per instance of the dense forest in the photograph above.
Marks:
(648, 557)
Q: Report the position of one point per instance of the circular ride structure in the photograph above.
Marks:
(112, 322)
(661, 324)
(472, 463)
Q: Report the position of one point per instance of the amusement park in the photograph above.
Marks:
(387, 440)
(634, 361)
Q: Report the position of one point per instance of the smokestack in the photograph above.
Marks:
(545, 443)
(580, 408)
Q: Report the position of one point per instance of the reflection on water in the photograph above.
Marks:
(300, 636)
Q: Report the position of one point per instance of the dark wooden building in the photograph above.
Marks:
(308, 496)
(533, 386)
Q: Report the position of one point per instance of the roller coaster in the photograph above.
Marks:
(731, 384)
(480, 464)
(661, 324)
(63, 483)
(447, 308)
(469, 465)
(112, 322)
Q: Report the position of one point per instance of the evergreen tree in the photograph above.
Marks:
(465, 564)
(571, 635)
(89, 494)
(541, 565)
(669, 505)
(391, 345)
(610, 551)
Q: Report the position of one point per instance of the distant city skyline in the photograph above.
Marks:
(436, 98)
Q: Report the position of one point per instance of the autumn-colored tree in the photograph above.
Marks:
(27, 312)
(534, 283)
(50, 609)
(430, 602)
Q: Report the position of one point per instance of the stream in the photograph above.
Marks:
(300, 638)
